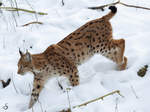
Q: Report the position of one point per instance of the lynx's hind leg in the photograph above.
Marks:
(116, 53)
(121, 60)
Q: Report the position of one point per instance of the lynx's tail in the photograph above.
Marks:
(112, 13)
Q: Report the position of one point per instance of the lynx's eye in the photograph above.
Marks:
(21, 67)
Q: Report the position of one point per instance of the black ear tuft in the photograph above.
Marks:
(20, 52)
(113, 9)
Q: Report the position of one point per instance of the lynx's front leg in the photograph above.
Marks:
(38, 85)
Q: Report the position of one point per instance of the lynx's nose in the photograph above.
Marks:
(20, 72)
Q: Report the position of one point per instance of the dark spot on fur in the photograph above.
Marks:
(72, 50)
(79, 43)
(85, 26)
(38, 86)
(78, 33)
(68, 43)
(70, 37)
(97, 27)
(82, 53)
(88, 46)
(90, 23)
(93, 39)
(97, 46)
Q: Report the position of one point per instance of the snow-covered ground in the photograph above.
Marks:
(98, 76)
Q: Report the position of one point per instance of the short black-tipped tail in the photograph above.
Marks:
(113, 9)
(112, 13)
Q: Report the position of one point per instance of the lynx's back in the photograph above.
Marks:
(82, 43)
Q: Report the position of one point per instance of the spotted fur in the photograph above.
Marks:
(64, 57)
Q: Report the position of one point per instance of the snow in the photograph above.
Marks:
(98, 76)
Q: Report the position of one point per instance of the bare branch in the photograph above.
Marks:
(118, 2)
(100, 98)
(16, 6)
(34, 22)
(134, 6)
(103, 6)
(24, 10)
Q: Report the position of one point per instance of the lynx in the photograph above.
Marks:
(64, 57)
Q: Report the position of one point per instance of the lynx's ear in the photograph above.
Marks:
(28, 56)
(20, 52)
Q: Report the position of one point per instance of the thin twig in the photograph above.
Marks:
(4, 44)
(100, 98)
(32, 9)
(16, 5)
(118, 2)
(62, 1)
(103, 6)
(134, 6)
(61, 87)
(32, 109)
(34, 22)
(134, 91)
(40, 105)
(14, 85)
(68, 98)
(13, 15)
(116, 107)
(24, 10)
